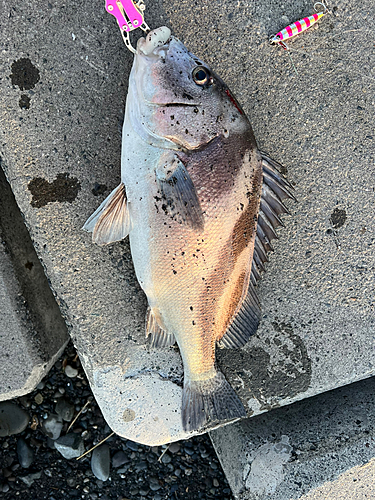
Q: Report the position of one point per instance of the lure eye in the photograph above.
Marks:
(201, 76)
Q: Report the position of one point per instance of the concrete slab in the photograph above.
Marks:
(61, 150)
(319, 448)
(32, 332)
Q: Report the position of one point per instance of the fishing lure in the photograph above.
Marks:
(298, 27)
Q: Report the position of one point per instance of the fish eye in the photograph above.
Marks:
(201, 76)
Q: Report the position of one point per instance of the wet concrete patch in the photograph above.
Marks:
(24, 74)
(24, 102)
(63, 188)
(338, 218)
(99, 189)
(281, 371)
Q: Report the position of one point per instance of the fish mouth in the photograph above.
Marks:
(155, 43)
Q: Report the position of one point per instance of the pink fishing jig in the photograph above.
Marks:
(298, 27)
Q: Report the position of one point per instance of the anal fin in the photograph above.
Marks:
(245, 322)
(155, 333)
(111, 220)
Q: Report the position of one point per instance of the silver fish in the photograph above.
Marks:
(200, 204)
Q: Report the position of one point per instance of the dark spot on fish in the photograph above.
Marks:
(174, 271)
(29, 265)
(186, 131)
(98, 189)
(338, 218)
(193, 323)
(196, 110)
(24, 102)
(191, 308)
(172, 117)
(187, 96)
(24, 74)
(63, 188)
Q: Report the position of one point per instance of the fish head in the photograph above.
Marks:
(179, 98)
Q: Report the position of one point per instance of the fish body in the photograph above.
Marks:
(192, 181)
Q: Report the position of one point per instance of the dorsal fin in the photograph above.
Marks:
(275, 189)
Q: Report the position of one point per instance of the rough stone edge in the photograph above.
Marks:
(39, 299)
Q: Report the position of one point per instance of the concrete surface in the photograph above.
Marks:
(319, 448)
(32, 332)
(62, 98)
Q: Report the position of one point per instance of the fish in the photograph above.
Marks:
(200, 204)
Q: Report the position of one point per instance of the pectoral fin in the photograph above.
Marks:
(111, 221)
(178, 194)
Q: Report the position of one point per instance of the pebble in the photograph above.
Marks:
(65, 410)
(25, 453)
(174, 447)
(38, 399)
(25, 402)
(140, 466)
(215, 482)
(100, 462)
(52, 426)
(166, 459)
(119, 459)
(131, 445)
(70, 371)
(13, 419)
(30, 478)
(70, 446)
(155, 486)
(6, 488)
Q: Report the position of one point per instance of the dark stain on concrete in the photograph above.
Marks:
(24, 74)
(338, 218)
(24, 102)
(253, 375)
(63, 188)
(99, 189)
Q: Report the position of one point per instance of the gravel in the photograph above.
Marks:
(25, 453)
(70, 446)
(52, 426)
(13, 420)
(101, 462)
(188, 470)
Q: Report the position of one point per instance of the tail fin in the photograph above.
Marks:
(211, 400)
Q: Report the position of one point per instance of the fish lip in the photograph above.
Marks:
(144, 49)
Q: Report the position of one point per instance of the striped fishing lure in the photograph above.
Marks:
(298, 27)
